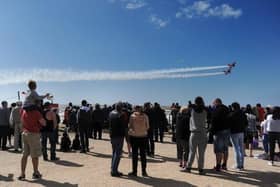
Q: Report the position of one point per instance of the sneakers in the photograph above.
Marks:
(118, 174)
(144, 174)
(217, 168)
(201, 172)
(224, 166)
(21, 178)
(270, 163)
(36, 175)
(132, 174)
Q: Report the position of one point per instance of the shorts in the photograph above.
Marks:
(221, 141)
(31, 144)
(249, 137)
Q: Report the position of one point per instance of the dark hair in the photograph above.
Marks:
(276, 113)
(119, 106)
(249, 109)
(4, 103)
(84, 103)
(235, 106)
(259, 105)
(199, 104)
(47, 104)
(218, 101)
(32, 84)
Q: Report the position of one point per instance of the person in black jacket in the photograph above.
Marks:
(160, 122)
(117, 129)
(183, 136)
(221, 131)
(238, 123)
(151, 143)
(84, 120)
(98, 120)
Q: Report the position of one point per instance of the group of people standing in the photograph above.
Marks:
(142, 126)
(232, 124)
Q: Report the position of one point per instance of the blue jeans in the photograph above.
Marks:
(237, 140)
(265, 143)
(117, 146)
(221, 141)
(44, 138)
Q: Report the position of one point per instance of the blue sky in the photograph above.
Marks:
(142, 35)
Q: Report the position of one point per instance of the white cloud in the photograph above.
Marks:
(225, 11)
(205, 9)
(160, 23)
(135, 4)
(54, 75)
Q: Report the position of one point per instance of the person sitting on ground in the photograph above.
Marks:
(65, 143)
(76, 145)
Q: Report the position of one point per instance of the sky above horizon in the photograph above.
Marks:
(111, 50)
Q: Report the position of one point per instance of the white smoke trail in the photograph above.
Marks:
(52, 75)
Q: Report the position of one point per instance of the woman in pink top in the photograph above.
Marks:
(138, 129)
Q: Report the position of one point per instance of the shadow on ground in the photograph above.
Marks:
(158, 182)
(250, 177)
(49, 183)
(9, 178)
(67, 163)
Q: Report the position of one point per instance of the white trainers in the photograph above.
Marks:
(270, 163)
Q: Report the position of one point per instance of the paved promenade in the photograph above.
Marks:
(93, 170)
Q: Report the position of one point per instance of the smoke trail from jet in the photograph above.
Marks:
(54, 75)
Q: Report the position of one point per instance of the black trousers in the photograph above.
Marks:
(159, 130)
(84, 135)
(150, 143)
(97, 129)
(272, 138)
(4, 131)
(138, 144)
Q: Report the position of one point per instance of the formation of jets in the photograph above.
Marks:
(230, 66)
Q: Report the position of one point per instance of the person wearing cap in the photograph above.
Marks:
(15, 122)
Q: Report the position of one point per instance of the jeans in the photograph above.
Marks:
(273, 137)
(150, 143)
(4, 131)
(197, 141)
(221, 141)
(44, 138)
(159, 130)
(265, 143)
(117, 146)
(182, 149)
(84, 135)
(237, 140)
(97, 129)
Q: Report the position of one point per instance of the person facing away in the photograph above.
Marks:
(76, 144)
(273, 129)
(183, 136)
(48, 132)
(84, 121)
(251, 130)
(238, 123)
(150, 143)
(16, 123)
(98, 121)
(4, 124)
(32, 96)
(32, 122)
(198, 138)
(138, 130)
(117, 130)
(221, 132)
